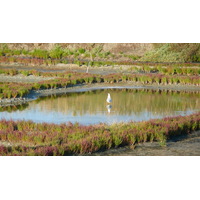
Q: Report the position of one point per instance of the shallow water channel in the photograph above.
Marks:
(90, 107)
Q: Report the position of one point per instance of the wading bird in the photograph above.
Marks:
(109, 100)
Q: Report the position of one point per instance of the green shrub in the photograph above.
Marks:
(1, 53)
(12, 72)
(17, 52)
(173, 52)
(57, 52)
(25, 72)
(81, 50)
(39, 53)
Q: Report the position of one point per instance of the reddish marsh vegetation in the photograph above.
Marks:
(28, 138)
(67, 79)
(167, 70)
(43, 58)
(13, 90)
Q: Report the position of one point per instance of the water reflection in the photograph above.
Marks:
(90, 107)
(13, 108)
(109, 108)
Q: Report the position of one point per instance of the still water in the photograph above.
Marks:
(91, 107)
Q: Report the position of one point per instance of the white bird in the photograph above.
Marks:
(109, 100)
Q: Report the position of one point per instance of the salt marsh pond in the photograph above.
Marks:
(90, 107)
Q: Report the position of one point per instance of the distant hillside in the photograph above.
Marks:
(127, 48)
(163, 52)
(174, 52)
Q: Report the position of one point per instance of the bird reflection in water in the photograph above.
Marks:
(109, 108)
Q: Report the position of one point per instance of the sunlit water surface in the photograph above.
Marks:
(91, 107)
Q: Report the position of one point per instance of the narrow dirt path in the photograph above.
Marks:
(19, 78)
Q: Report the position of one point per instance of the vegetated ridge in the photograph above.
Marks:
(148, 52)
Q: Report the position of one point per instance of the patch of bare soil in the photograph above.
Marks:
(71, 67)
